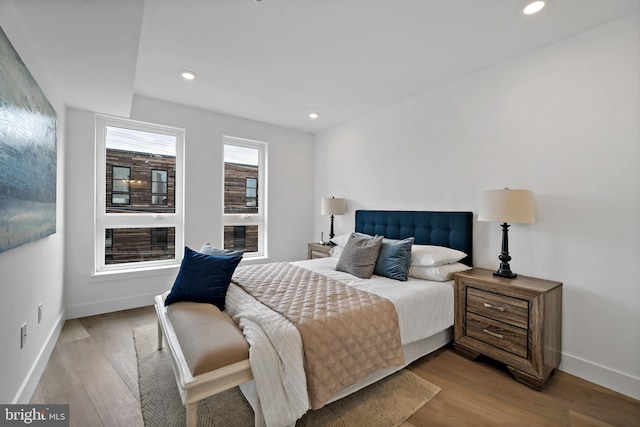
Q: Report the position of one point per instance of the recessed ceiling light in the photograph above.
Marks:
(188, 75)
(533, 7)
(314, 115)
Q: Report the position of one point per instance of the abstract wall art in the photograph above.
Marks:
(27, 154)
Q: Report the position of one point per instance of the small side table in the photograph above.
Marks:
(515, 321)
(318, 250)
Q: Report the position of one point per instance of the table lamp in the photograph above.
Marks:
(332, 206)
(506, 206)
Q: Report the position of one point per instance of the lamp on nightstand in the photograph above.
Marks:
(506, 206)
(332, 206)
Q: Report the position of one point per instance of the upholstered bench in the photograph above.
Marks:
(209, 353)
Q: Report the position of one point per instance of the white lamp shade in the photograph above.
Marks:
(332, 206)
(510, 206)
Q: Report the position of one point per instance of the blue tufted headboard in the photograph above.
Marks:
(450, 229)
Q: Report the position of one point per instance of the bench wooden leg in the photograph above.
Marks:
(159, 336)
(192, 414)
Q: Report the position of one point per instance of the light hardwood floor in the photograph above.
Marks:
(93, 368)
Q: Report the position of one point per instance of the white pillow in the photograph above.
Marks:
(431, 256)
(440, 273)
(341, 240)
(336, 251)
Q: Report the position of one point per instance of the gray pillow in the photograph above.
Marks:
(359, 255)
(207, 249)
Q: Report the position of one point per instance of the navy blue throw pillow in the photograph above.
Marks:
(394, 259)
(203, 278)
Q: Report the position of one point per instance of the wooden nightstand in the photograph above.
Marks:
(515, 321)
(318, 250)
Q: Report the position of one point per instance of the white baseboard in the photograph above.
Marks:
(24, 394)
(109, 306)
(601, 375)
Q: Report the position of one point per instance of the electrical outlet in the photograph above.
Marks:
(39, 313)
(23, 335)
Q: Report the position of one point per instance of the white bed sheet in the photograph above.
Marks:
(424, 309)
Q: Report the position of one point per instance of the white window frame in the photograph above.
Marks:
(259, 219)
(104, 220)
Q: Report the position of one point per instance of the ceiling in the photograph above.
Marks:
(278, 60)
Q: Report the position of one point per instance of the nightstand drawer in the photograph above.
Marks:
(318, 250)
(506, 309)
(498, 334)
(318, 254)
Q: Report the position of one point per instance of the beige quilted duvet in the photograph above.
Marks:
(346, 333)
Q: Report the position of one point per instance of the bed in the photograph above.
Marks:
(279, 393)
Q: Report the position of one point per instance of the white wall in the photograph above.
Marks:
(290, 198)
(563, 121)
(32, 273)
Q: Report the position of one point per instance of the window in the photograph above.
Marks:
(108, 245)
(139, 219)
(239, 233)
(241, 237)
(244, 215)
(159, 238)
(138, 244)
(251, 192)
(159, 187)
(162, 243)
(120, 178)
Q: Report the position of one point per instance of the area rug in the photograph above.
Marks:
(384, 404)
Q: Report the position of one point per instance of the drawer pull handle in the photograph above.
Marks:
(493, 334)
(487, 305)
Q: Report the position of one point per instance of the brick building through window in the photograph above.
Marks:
(241, 196)
(139, 182)
(143, 182)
